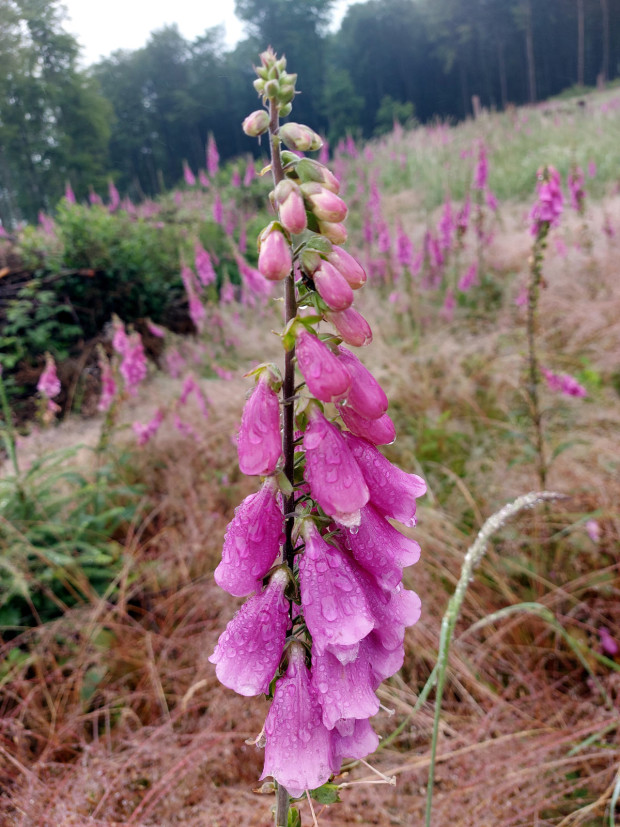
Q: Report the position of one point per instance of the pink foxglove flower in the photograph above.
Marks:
(564, 383)
(334, 232)
(218, 209)
(608, 644)
(298, 745)
(593, 530)
(156, 330)
(393, 492)
(188, 175)
(366, 397)
(260, 442)
(248, 651)
(404, 248)
(332, 287)
(335, 479)
(348, 266)
(252, 543)
(380, 549)
(275, 260)
(345, 690)
(351, 326)
(384, 662)
(447, 311)
(120, 340)
(548, 208)
(250, 174)
(357, 743)
(379, 431)
(49, 383)
(333, 597)
(482, 169)
(326, 377)
(69, 194)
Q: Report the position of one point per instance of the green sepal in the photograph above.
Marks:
(289, 157)
(327, 794)
(320, 244)
(284, 484)
(275, 377)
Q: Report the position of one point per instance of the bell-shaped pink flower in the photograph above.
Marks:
(204, 265)
(380, 549)
(379, 431)
(260, 443)
(352, 327)
(275, 260)
(325, 204)
(335, 479)
(252, 542)
(366, 397)
(334, 603)
(249, 649)
(350, 268)
(357, 741)
(133, 365)
(392, 492)
(326, 377)
(332, 287)
(291, 207)
(345, 690)
(392, 610)
(298, 745)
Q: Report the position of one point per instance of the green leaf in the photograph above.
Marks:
(327, 794)
(294, 818)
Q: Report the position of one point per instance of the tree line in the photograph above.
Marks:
(137, 116)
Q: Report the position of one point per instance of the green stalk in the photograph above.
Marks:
(8, 430)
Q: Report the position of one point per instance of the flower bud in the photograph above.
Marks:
(379, 431)
(257, 123)
(260, 443)
(310, 170)
(350, 268)
(259, 85)
(274, 259)
(366, 397)
(326, 377)
(332, 287)
(336, 233)
(324, 203)
(288, 197)
(300, 137)
(351, 326)
(285, 110)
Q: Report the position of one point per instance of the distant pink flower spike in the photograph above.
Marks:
(335, 479)
(218, 209)
(204, 181)
(482, 169)
(156, 330)
(108, 385)
(49, 383)
(352, 327)
(249, 650)
(260, 442)
(447, 311)
(204, 265)
(298, 745)
(69, 194)
(469, 278)
(326, 377)
(334, 602)
(252, 542)
(133, 364)
(404, 248)
(250, 174)
(392, 492)
(366, 397)
(115, 199)
(145, 433)
(213, 157)
(235, 180)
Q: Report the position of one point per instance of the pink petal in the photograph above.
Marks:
(366, 396)
(260, 442)
(248, 651)
(326, 377)
(379, 431)
(344, 690)
(252, 542)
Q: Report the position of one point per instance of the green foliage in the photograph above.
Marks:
(60, 531)
(390, 112)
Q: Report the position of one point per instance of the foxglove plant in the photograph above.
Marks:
(325, 619)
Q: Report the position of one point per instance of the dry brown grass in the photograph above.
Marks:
(117, 717)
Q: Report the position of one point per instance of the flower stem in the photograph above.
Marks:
(534, 370)
(8, 430)
(288, 404)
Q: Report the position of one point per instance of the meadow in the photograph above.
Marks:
(112, 521)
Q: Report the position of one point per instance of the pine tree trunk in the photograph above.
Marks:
(580, 43)
(529, 51)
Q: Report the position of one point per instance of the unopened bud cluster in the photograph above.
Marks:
(314, 548)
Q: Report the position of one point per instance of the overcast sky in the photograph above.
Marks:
(103, 27)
